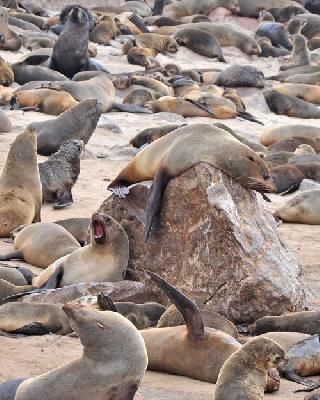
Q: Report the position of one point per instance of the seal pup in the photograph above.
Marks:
(276, 32)
(149, 135)
(173, 317)
(161, 43)
(170, 156)
(41, 244)
(268, 50)
(78, 122)
(104, 31)
(111, 367)
(241, 75)
(200, 42)
(287, 178)
(9, 40)
(78, 227)
(304, 208)
(207, 348)
(104, 259)
(300, 54)
(244, 375)
(20, 186)
(33, 319)
(60, 172)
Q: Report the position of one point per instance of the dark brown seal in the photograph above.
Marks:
(60, 172)
(241, 75)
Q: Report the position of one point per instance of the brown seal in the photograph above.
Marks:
(78, 122)
(47, 101)
(309, 79)
(60, 172)
(301, 209)
(152, 84)
(162, 43)
(9, 40)
(33, 319)
(310, 29)
(109, 246)
(139, 97)
(6, 73)
(143, 57)
(245, 373)
(191, 7)
(300, 54)
(99, 87)
(287, 178)
(275, 134)
(310, 93)
(173, 317)
(200, 42)
(19, 276)
(282, 76)
(252, 9)
(8, 289)
(20, 187)
(283, 104)
(111, 366)
(149, 135)
(303, 322)
(169, 156)
(41, 244)
(268, 50)
(36, 20)
(104, 31)
(207, 348)
(78, 227)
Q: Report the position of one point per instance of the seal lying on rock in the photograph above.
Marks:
(111, 366)
(179, 150)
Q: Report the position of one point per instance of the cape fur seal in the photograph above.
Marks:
(183, 8)
(111, 366)
(276, 32)
(170, 156)
(300, 54)
(20, 186)
(206, 348)
(78, 122)
(309, 93)
(244, 375)
(41, 244)
(104, 259)
(304, 208)
(149, 135)
(6, 73)
(282, 132)
(162, 43)
(241, 75)
(9, 40)
(78, 227)
(310, 79)
(24, 73)
(60, 172)
(249, 8)
(173, 317)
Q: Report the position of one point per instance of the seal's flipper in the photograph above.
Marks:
(310, 388)
(189, 310)
(17, 296)
(64, 199)
(291, 376)
(201, 105)
(158, 7)
(138, 22)
(160, 182)
(29, 108)
(95, 65)
(10, 335)
(55, 279)
(27, 274)
(131, 108)
(14, 255)
(36, 59)
(290, 189)
(8, 389)
(249, 117)
(33, 329)
(105, 303)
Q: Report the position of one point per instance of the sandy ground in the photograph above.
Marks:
(32, 356)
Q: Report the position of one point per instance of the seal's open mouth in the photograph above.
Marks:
(99, 232)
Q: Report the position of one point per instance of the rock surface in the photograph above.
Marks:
(217, 242)
(136, 292)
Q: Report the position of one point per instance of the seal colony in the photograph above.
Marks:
(50, 62)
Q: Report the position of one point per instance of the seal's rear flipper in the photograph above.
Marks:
(14, 255)
(32, 329)
(131, 108)
(201, 105)
(155, 193)
(189, 310)
(249, 117)
(138, 22)
(119, 191)
(64, 199)
(291, 376)
(105, 303)
(55, 279)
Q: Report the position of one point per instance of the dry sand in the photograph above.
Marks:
(31, 356)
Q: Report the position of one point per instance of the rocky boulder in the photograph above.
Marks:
(217, 242)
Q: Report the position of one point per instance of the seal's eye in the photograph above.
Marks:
(266, 176)
(251, 158)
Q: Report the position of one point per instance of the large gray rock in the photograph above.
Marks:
(136, 292)
(218, 242)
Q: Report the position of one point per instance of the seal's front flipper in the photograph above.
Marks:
(14, 255)
(203, 106)
(156, 191)
(291, 376)
(64, 199)
(32, 329)
(105, 303)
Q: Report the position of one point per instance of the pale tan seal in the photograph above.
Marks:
(41, 244)
(275, 134)
(184, 147)
(162, 43)
(112, 365)
(190, 7)
(310, 93)
(244, 375)
(190, 350)
(309, 79)
(304, 208)
(300, 54)
(9, 40)
(20, 187)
